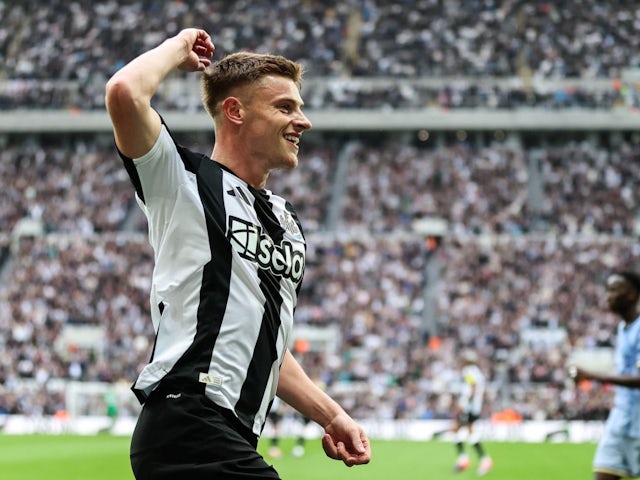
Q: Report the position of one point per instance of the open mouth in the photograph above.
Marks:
(293, 139)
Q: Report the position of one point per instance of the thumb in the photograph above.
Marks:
(357, 443)
(355, 440)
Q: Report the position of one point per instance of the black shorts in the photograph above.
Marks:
(467, 418)
(182, 435)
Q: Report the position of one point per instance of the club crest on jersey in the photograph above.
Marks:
(289, 224)
(251, 243)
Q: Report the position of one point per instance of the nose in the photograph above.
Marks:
(302, 122)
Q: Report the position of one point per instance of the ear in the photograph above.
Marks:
(233, 110)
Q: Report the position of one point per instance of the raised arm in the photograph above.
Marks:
(344, 439)
(136, 125)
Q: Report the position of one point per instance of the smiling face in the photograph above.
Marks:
(273, 122)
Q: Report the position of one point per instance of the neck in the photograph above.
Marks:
(244, 169)
(231, 150)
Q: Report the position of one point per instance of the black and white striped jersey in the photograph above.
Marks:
(229, 262)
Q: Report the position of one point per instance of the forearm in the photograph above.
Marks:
(630, 381)
(343, 439)
(620, 380)
(143, 75)
(299, 391)
(128, 93)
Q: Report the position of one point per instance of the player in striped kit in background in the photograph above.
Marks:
(468, 411)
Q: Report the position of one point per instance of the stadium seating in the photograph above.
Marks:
(533, 223)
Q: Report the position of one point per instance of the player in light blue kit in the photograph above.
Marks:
(618, 452)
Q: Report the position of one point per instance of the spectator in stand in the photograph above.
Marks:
(375, 38)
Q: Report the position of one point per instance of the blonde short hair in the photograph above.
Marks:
(242, 69)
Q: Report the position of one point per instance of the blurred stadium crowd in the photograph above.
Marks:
(532, 228)
(60, 56)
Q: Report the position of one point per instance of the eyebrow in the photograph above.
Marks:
(278, 100)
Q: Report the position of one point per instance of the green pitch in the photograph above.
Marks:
(104, 457)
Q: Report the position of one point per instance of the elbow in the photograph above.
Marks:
(118, 95)
(123, 99)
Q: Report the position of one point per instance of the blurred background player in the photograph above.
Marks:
(298, 449)
(618, 452)
(280, 411)
(468, 410)
(275, 418)
(277, 415)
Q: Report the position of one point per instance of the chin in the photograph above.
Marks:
(283, 162)
(290, 164)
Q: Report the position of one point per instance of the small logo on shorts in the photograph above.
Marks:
(173, 395)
